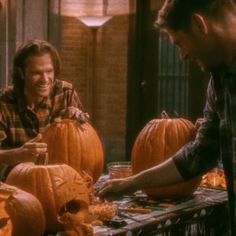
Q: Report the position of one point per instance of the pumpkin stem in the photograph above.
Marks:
(42, 159)
(164, 115)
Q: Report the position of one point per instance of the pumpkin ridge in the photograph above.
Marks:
(50, 200)
(148, 144)
(93, 152)
(64, 131)
(60, 143)
(173, 139)
(150, 139)
(160, 141)
(166, 135)
(99, 162)
(180, 132)
(166, 123)
(71, 157)
(82, 136)
(192, 129)
(47, 135)
(39, 172)
(92, 136)
(52, 146)
(78, 138)
(53, 184)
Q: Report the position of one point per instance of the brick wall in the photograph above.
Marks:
(95, 61)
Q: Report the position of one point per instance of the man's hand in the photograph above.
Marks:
(31, 150)
(74, 113)
(117, 186)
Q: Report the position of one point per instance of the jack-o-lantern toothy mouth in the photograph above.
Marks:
(72, 207)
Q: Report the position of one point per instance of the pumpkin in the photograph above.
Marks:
(76, 145)
(157, 141)
(20, 213)
(59, 188)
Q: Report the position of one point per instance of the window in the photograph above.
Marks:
(173, 83)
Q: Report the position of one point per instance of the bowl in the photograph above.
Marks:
(120, 169)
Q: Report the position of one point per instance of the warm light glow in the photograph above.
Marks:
(94, 21)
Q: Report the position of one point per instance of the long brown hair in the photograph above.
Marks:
(34, 47)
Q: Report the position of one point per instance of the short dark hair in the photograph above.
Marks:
(33, 47)
(176, 14)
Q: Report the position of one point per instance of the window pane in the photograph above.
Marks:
(173, 77)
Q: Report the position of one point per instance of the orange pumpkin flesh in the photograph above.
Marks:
(157, 141)
(22, 212)
(76, 145)
(58, 187)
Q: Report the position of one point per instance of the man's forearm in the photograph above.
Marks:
(164, 174)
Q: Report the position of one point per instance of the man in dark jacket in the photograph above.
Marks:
(205, 32)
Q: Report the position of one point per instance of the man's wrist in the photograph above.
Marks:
(131, 183)
(10, 156)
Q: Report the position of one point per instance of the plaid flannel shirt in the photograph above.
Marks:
(19, 123)
(216, 137)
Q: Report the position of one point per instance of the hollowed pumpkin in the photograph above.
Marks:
(157, 141)
(59, 188)
(20, 213)
(76, 145)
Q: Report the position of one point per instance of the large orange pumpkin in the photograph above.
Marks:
(157, 141)
(59, 188)
(20, 213)
(76, 145)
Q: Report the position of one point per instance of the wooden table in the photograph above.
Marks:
(203, 214)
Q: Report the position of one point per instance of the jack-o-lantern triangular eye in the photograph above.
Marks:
(77, 180)
(58, 181)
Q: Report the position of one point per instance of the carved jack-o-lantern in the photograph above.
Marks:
(18, 213)
(59, 188)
